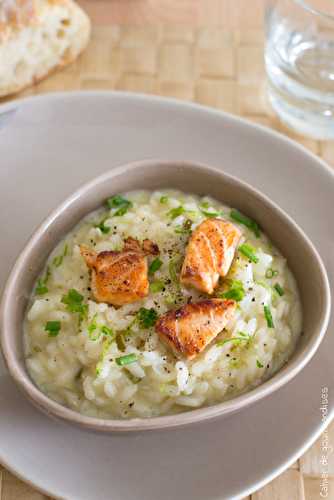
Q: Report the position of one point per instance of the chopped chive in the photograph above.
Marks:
(58, 260)
(259, 364)
(122, 210)
(270, 273)
(262, 283)
(107, 331)
(73, 301)
(204, 204)
(157, 286)
(147, 317)
(117, 201)
(243, 334)
(175, 212)
(53, 328)
(235, 340)
(268, 316)
(248, 251)
(236, 294)
(246, 221)
(242, 337)
(279, 289)
(92, 327)
(173, 270)
(154, 266)
(121, 204)
(102, 227)
(120, 341)
(105, 348)
(210, 213)
(164, 199)
(132, 378)
(236, 291)
(41, 288)
(126, 359)
(185, 228)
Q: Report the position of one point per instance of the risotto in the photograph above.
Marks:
(110, 362)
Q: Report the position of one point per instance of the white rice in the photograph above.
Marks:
(77, 367)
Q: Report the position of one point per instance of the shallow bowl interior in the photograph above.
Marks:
(302, 258)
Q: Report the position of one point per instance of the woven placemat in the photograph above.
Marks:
(216, 67)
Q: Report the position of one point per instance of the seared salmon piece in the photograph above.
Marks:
(120, 278)
(209, 254)
(191, 328)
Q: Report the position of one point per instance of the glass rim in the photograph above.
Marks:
(310, 8)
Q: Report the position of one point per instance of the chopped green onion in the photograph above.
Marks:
(172, 267)
(117, 201)
(154, 266)
(236, 294)
(279, 289)
(41, 288)
(53, 327)
(107, 332)
(120, 341)
(126, 359)
(204, 204)
(248, 251)
(185, 228)
(57, 261)
(132, 378)
(175, 212)
(259, 364)
(268, 316)
(241, 337)
(102, 227)
(164, 199)
(236, 291)
(122, 204)
(121, 211)
(99, 329)
(270, 273)
(105, 348)
(262, 283)
(147, 317)
(210, 213)
(92, 327)
(246, 221)
(157, 286)
(73, 301)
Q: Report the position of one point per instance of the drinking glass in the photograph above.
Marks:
(299, 58)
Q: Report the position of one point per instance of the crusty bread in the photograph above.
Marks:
(36, 37)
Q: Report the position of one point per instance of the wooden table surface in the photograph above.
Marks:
(208, 51)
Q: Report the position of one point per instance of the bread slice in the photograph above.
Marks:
(36, 37)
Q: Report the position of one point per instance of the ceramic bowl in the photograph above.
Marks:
(301, 255)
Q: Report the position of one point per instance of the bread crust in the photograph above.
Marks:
(31, 15)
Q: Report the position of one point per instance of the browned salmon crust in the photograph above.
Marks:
(191, 328)
(209, 254)
(119, 278)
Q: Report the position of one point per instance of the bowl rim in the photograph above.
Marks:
(52, 408)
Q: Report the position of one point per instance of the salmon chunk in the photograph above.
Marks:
(209, 254)
(191, 328)
(120, 277)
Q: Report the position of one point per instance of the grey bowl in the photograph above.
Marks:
(302, 257)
